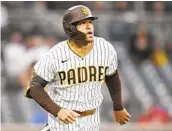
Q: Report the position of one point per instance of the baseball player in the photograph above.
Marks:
(75, 70)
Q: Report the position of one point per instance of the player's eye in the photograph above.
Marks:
(79, 23)
(90, 21)
(83, 22)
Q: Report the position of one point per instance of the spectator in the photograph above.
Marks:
(14, 55)
(14, 61)
(122, 25)
(4, 16)
(53, 5)
(155, 114)
(158, 17)
(121, 7)
(141, 44)
(159, 56)
(35, 50)
(50, 40)
(40, 4)
(158, 7)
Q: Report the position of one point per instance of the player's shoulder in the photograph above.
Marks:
(103, 41)
(58, 46)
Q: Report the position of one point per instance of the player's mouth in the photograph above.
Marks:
(90, 33)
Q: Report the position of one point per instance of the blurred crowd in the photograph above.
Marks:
(22, 52)
(94, 5)
(22, 47)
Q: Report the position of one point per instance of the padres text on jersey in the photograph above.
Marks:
(75, 81)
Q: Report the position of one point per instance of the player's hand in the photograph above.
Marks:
(67, 116)
(122, 116)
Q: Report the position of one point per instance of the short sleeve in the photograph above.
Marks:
(113, 62)
(45, 68)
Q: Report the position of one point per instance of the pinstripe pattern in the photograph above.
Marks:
(78, 95)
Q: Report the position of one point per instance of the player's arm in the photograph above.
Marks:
(36, 91)
(45, 71)
(113, 83)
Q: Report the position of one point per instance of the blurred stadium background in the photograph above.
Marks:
(140, 31)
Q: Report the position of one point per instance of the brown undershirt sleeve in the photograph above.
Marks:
(114, 85)
(36, 91)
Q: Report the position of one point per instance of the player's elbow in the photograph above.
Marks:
(36, 82)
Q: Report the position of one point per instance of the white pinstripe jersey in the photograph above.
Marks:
(76, 82)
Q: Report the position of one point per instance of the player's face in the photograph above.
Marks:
(86, 26)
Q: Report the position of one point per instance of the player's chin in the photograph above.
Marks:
(90, 39)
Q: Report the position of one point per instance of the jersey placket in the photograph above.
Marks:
(82, 64)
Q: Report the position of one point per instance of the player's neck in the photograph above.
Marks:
(80, 44)
(80, 49)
